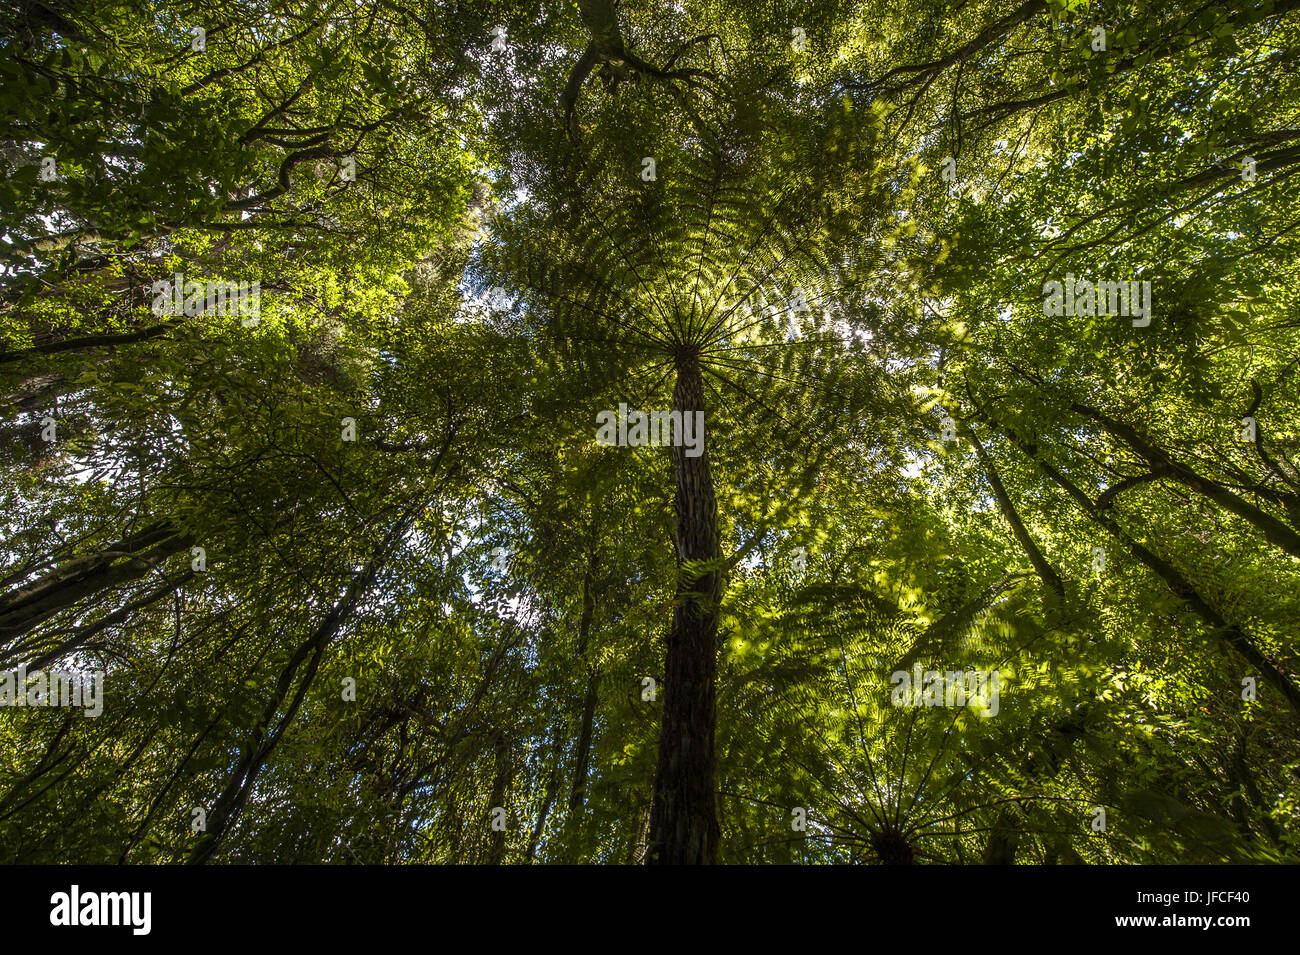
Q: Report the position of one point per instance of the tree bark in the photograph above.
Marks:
(82, 634)
(554, 778)
(683, 820)
(85, 342)
(1050, 578)
(1231, 634)
(500, 786)
(265, 736)
(1274, 530)
(129, 559)
(578, 792)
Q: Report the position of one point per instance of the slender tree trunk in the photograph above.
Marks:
(82, 634)
(51, 758)
(1274, 530)
(582, 763)
(1164, 465)
(86, 341)
(500, 786)
(578, 794)
(683, 821)
(553, 780)
(641, 847)
(1233, 635)
(131, 558)
(1050, 578)
(1245, 779)
(265, 736)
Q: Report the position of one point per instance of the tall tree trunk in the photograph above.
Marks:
(1275, 531)
(683, 822)
(601, 18)
(553, 780)
(1050, 578)
(79, 637)
(578, 794)
(500, 786)
(1247, 789)
(86, 341)
(127, 560)
(582, 763)
(1231, 634)
(1164, 465)
(265, 736)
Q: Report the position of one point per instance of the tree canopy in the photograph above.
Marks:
(605, 431)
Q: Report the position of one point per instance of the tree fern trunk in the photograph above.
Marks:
(683, 822)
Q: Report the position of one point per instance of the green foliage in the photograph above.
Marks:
(850, 241)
